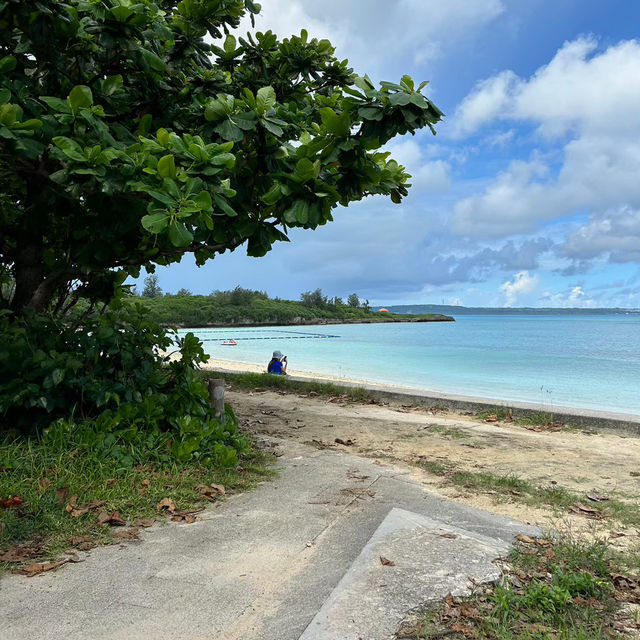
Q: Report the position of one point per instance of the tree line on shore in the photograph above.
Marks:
(246, 306)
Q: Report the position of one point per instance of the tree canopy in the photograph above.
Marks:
(134, 132)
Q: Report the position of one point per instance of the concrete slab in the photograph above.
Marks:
(259, 565)
(429, 559)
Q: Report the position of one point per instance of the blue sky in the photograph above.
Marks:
(530, 192)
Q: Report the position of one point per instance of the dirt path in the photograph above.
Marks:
(601, 464)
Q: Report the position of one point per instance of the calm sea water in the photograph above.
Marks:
(590, 362)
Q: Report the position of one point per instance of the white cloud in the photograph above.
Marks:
(575, 297)
(614, 233)
(375, 34)
(521, 284)
(579, 89)
(429, 175)
(490, 98)
(593, 97)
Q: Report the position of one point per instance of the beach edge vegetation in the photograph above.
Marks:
(126, 142)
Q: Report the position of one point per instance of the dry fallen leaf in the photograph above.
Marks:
(144, 523)
(62, 495)
(44, 484)
(19, 553)
(111, 482)
(11, 502)
(110, 518)
(35, 569)
(586, 511)
(526, 539)
(386, 562)
(595, 498)
(127, 534)
(451, 536)
(168, 504)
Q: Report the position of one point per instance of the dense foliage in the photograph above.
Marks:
(242, 306)
(128, 141)
(110, 379)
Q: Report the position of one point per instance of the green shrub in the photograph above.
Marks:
(105, 380)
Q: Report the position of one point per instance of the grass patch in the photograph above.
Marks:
(451, 433)
(560, 589)
(252, 381)
(511, 486)
(45, 475)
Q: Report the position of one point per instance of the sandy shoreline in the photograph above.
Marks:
(452, 401)
(233, 366)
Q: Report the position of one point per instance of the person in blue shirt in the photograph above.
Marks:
(278, 364)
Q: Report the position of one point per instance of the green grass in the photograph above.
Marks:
(561, 589)
(37, 472)
(512, 487)
(253, 381)
(534, 419)
(451, 433)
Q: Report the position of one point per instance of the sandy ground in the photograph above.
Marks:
(603, 464)
(216, 364)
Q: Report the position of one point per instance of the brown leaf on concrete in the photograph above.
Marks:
(127, 534)
(347, 443)
(144, 523)
(11, 502)
(36, 569)
(386, 562)
(20, 553)
(355, 474)
(168, 504)
(526, 539)
(210, 491)
(112, 518)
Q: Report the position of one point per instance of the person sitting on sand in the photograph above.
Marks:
(278, 364)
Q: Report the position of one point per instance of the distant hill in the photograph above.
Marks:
(503, 311)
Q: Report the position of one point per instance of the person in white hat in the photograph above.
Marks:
(278, 364)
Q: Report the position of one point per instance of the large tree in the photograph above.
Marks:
(127, 140)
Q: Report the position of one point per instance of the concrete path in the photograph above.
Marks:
(293, 557)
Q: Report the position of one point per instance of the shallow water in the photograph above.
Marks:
(590, 362)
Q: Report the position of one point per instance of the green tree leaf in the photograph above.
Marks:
(156, 222)
(70, 148)
(7, 64)
(167, 167)
(80, 98)
(179, 235)
(265, 99)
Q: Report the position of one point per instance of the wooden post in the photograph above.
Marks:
(216, 396)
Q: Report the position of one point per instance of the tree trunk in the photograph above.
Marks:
(28, 273)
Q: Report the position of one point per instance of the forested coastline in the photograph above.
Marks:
(243, 307)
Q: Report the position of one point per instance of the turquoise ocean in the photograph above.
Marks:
(587, 362)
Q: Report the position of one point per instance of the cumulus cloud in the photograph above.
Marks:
(579, 89)
(613, 233)
(419, 31)
(590, 97)
(574, 297)
(522, 284)
(429, 175)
